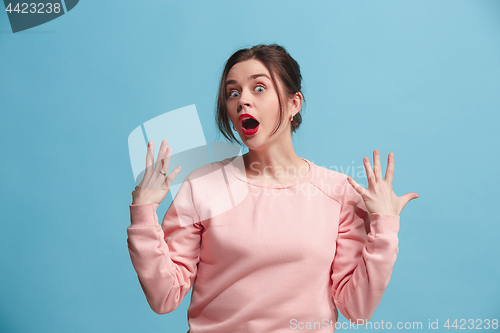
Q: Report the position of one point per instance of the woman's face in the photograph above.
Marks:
(250, 90)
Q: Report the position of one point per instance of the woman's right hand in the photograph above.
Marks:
(154, 185)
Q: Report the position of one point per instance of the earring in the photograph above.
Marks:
(291, 119)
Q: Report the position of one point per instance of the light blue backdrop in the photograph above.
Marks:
(417, 78)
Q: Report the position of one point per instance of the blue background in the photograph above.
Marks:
(417, 78)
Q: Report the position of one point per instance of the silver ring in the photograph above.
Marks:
(162, 173)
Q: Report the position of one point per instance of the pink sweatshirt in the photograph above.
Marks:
(264, 258)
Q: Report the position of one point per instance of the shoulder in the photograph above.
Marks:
(332, 183)
(205, 172)
(206, 175)
(206, 181)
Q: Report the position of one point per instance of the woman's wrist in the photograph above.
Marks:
(136, 203)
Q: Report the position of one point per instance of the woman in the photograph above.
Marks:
(297, 240)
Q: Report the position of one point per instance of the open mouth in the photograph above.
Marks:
(250, 124)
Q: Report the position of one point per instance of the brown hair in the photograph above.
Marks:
(277, 60)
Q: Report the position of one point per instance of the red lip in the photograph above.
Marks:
(247, 132)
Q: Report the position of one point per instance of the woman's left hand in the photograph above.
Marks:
(379, 196)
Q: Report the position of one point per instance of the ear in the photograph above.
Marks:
(296, 103)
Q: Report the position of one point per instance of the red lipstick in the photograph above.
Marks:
(248, 131)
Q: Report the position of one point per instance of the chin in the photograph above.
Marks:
(255, 143)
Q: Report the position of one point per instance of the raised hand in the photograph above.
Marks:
(154, 185)
(379, 196)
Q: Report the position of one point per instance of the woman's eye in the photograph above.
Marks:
(231, 93)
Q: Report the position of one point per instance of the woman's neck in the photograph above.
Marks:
(274, 165)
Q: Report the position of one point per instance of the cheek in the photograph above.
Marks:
(232, 105)
(231, 113)
(272, 100)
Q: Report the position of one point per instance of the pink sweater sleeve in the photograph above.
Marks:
(165, 257)
(363, 262)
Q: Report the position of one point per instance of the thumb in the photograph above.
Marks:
(407, 197)
(412, 195)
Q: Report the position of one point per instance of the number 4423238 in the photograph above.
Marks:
(463, 324)
(39, 8)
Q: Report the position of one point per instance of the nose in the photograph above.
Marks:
(244, 101)
(240, 106)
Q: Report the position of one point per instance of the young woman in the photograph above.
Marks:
(275, 243)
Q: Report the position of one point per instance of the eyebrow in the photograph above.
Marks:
(250, 77)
